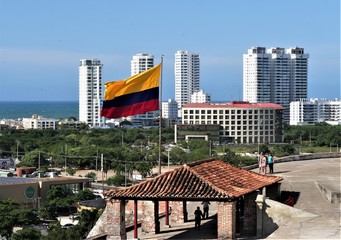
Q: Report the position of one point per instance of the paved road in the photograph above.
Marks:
(300, 177)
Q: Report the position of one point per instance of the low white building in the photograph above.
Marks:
(200, 97)
(148, 119)
(39, 122)
(170, 112)
(314, 110)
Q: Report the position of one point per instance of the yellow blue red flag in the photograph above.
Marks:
(135, 95)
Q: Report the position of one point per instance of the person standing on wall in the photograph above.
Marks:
(206, 208)
(262, 161)
(271, 163)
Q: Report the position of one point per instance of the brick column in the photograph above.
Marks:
(250, 214)
(226, 220)
(179, 212)
(115, 222)
(150, 217)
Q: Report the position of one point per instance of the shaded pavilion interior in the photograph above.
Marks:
(233, 189)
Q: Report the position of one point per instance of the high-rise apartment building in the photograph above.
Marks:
(275, 75)
(187, 76)
(142, 62)
(90, 91)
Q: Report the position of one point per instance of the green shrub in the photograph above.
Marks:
(118, 180)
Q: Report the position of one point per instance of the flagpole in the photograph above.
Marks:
(160, 115)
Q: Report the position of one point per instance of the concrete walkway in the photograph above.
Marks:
(302, 178)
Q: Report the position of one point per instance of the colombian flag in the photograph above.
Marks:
(135, 95)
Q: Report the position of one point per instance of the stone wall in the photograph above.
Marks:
(277, 214)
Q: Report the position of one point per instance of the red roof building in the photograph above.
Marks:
(204, 180)
(233, 189)
(240, 122)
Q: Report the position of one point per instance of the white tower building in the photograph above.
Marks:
(142, 62)
(187, 76)
(275, 75)
(256, 75)
(90, 91)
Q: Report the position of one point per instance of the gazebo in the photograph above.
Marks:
(234, 189)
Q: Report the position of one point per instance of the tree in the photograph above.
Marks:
(27, 233)
(56, 232)
(11, 215)
(178, 156)
(283, 150)
(58, 197)
(85, 194)
(118, 180)
(24, 216)
(91, 175)
(71, 171)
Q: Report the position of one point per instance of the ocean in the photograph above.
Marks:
(50, 109)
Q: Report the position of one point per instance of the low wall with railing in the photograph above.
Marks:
(300, 157)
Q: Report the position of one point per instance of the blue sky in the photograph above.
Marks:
(41, 42)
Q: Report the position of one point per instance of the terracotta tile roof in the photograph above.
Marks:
(206, 179)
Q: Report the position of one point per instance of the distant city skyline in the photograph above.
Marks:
(42, 42)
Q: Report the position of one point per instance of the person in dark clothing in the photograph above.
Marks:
(198, 215)
(271, 163)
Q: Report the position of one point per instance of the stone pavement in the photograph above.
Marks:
(301, 178)
(304, 179)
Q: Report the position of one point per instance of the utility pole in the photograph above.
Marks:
(125, 174)
(18, 150)
(39, 161)
(96, 165)
(102, 169)
(168, 158)
(65, 157)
